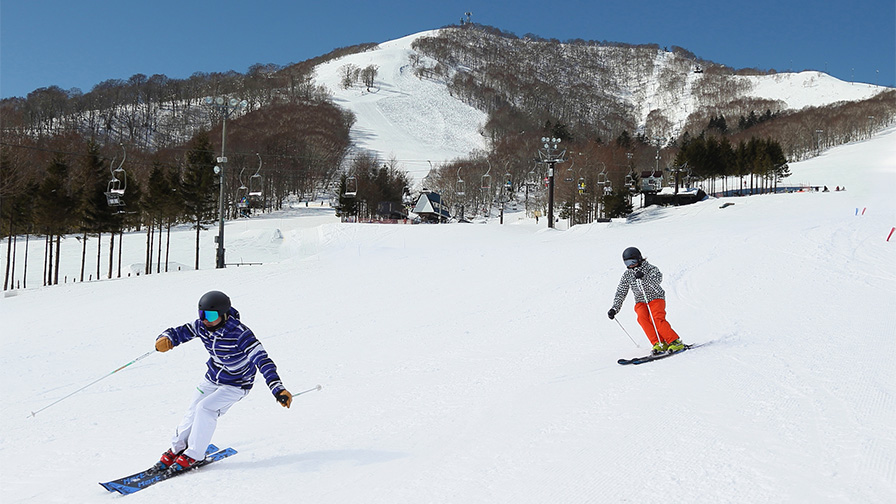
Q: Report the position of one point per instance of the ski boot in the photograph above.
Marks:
(658, 348)
(182, 463)
(164, 462)
(675, 346)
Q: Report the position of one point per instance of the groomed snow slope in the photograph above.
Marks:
(402, 116)
(475, 363)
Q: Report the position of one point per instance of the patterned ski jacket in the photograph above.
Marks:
(234, 352)
(651, 282)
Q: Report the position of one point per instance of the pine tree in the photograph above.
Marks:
(54, 208)
(198, 185)
(617, 204)
(94, 212)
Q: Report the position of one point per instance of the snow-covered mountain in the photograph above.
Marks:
(402, 115)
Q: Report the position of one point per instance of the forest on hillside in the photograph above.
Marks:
(589, 95)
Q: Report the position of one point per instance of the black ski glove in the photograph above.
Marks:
(639, 275)
(611, 313)
(284, 398)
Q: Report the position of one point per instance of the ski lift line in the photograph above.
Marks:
(348, 158)
(231, 153)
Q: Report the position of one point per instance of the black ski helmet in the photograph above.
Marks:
(215, 301)
(632, 253)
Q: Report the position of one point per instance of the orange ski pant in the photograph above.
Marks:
(658, 324)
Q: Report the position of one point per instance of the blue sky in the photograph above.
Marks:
(80, 43)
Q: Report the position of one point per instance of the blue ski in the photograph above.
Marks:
(141, 480)
(127, 480)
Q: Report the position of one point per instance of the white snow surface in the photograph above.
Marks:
(810, 88)
(474, 363)
(415, 121)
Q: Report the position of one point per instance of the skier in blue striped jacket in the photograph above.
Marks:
(234, 356)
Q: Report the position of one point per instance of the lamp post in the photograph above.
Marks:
(551, 155)
(226, 107)
(659, 145)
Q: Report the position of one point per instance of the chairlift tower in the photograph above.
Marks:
(551, 154)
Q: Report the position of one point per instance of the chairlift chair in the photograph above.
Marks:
(508, 181)
(242, 196)
(486, 182)
(459, 186)
(351, 187)
(119, 182)
(255, 181)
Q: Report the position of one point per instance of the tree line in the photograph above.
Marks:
(55, 186)
(713, 158)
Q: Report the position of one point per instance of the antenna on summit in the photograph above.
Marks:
(469, 15)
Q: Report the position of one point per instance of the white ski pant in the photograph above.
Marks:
(196, 429)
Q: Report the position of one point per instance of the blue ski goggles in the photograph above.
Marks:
(630, 263)
(210, 315)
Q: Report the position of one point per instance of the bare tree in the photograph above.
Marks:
(348, 75)
(368, 75)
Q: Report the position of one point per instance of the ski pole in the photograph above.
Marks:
(626, 333)
(306, 391)
(284, 400)
(147, 354)
(650, 312)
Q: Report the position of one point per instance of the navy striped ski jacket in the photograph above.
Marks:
(234, 352)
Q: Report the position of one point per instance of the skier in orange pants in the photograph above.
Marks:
(644, 281)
